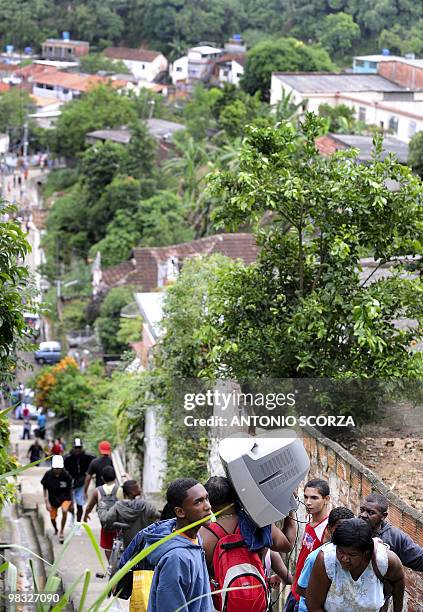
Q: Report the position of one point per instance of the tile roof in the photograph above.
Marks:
(241, 58)
(328, 82)
(143, 269)
(74, 81)
(332, 142)
(114, 275)
(34, 69)
(124, 53)
(122, 136)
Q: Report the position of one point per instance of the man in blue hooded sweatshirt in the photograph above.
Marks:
(180, 573)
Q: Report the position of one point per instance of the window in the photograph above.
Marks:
(65, 91)
(393, 124)
(178, 68)
(225, 73)
(412, 128)
(142, 66)
(362, 113)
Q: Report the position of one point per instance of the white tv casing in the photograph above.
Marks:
(265, 471)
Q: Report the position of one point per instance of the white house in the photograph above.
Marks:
(66, 86)
(179, 69)
(197, 65)
(231, 67)
(143, 63)
(375, 99)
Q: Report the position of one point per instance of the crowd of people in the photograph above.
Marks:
(344, 563)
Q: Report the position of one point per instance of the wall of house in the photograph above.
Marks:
(179, 69)
(144, 70)
(399, 121)
(231, 72)
(349, 482)
(403, 74)
(55, 92)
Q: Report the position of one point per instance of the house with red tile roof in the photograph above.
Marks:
(144, 64)
(153, 267)
(66, 86)
(230, 68)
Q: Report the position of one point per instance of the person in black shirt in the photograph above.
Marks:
(57, 484)
(35, 451)
(77, 463)
(97, 465)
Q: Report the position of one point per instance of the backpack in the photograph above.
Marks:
(105, 503)
(236, 566)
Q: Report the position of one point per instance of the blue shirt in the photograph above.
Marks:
(41, 420)
(304, 578)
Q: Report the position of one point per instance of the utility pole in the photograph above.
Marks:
(25, 141)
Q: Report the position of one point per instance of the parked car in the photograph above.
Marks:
(48, 352)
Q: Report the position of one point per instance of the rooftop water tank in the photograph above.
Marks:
(65, 36)
(9, 48)
(386, 52)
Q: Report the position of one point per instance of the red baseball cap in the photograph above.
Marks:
(105, 448)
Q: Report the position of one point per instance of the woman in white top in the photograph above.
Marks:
(348, 574)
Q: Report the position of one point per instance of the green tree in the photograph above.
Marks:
(304, 310)
(95, 62)
(183, 354)
(403, 39)
(123, 193)
(101, 107)
(141, 151)
(14, 108)
(100, 164)
(415, 153)
(158, 221)
(14, 288)
(339, 32)
(284, 54)
(122, 235)
(339, 118)
(108, 322)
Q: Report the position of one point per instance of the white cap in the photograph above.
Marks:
(77, 442)
(57, 461)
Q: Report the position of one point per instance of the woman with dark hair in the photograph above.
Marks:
(349, 574)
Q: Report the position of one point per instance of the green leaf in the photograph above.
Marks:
(84, 590)
(94, 543)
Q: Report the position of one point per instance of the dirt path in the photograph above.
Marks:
(395, 456)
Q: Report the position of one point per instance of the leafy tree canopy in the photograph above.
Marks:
(108, 323)
(95, 62)
(415, 153)
(101, 107)
(304, 309)
(283, 54)
(14, 289)
(339, 32)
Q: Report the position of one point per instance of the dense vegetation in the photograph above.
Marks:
(339, 25)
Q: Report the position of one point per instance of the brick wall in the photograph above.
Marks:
(350, 481)
(403, 74)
